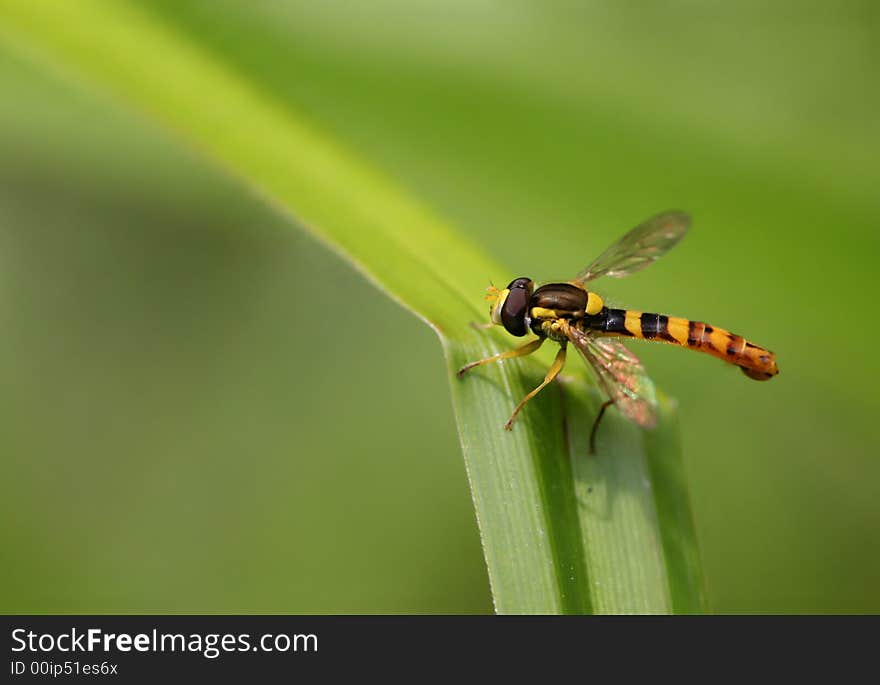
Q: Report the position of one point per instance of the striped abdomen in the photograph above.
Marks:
(755, 362)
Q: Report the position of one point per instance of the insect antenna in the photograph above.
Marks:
(491, 293)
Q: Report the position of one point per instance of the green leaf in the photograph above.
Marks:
(562, 532)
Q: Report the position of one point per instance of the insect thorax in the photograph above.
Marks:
(560, 301)
(553, 329)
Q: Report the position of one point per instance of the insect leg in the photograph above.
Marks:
(552, 372)
(528, 348)
(605, 405)
(482, 326)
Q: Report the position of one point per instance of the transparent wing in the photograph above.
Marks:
(622, 376)
(640, 247)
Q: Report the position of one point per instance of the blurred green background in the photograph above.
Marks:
(203, 410)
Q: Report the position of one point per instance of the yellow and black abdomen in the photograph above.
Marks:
(755, 361)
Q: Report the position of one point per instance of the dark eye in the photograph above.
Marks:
(513, 313)
(520, 283)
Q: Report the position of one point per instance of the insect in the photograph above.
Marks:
(569, 313)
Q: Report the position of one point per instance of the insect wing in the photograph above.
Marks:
(642, 246)
(622, 376)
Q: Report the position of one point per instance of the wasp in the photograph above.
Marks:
(570, 313)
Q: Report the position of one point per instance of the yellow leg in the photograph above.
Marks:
(552, 373)
(482, 326)
(528, 348)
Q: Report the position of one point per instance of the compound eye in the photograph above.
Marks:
(513, 312)
(521, 283)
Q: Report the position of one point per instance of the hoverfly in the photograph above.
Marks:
(569, 313)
